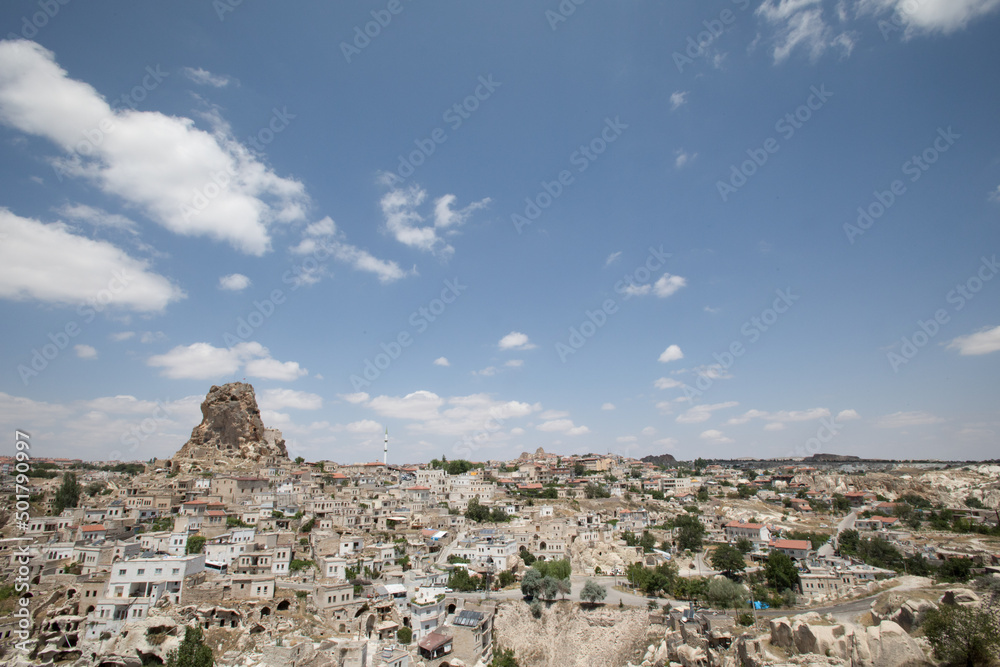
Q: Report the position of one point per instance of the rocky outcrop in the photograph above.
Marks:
(230, 432)
(567, 636)
(885, 645)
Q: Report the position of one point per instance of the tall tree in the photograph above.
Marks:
(728, 560)
(962, 635)
(192, 652)
(781, 572)
(593, 592)
(68, 494)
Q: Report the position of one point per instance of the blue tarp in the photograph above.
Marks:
(757, 604)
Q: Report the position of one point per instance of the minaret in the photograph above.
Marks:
(385, 449)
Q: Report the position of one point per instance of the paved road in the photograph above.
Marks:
(846, 523)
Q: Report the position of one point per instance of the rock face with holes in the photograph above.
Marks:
(230, 432)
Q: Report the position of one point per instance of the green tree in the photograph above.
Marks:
(531, 583)
(195, 544)
(955, 570)
(504, 657)
(299, 460)
(526, 556)
(404, 635)
(962, 635)
(68, 494)
(192, 652)
(578, 469)
(474, 511)
(728, 560)
(690, 532)
(550, 588)
(593, 592)
(974, 503)
(744, 545)
(727, 594)
(780, 571)
(702, 494)
(841, 503)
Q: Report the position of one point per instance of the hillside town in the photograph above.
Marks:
(545, 559)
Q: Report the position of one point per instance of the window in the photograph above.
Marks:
(121, 572)
(141, 571)
(176, 570)
(158, 570)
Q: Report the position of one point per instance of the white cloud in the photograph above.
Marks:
(981, 342)
(272, 369)
(715, 437)
(517, 430)
(782, 416)
(648, 431)
(489, 371)
(122, 336)
(515, 363)
(98, 217)
(456, 416)
(279, 399)
(907, 419)
(152, 337)
(516, 340)
(608, 406)
(402, 219)
(678, 99)
(565, 426)
(234, 282)
(712, 372)
(553, 414)
(672, 353)
(928, 16)
(85, 351)
(632, 289)
(665, 408)
(162, 165)
(624, 439)
(205, 78)
(668, 443)
(613, 257)
(202, 361)
(847, 415)
(47, 262)
(364, 426)
(667, 383)
(701, 413)
(105, 428)
(355, 399)
(682, 157)
(442, 361)
(800, 23)
(774, 426)
(667, 285)
(323, 238)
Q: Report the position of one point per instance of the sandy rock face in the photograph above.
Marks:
(567, 636)
(231, 429)
(885, 645)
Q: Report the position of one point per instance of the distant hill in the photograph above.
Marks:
(661, 460)
(831, 457)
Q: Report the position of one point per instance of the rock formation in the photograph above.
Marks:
(231, 432)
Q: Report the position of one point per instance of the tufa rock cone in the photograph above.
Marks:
(231, 432)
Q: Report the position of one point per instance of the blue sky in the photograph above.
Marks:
(717, 229)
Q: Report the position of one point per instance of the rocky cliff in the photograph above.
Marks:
(231, 432)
